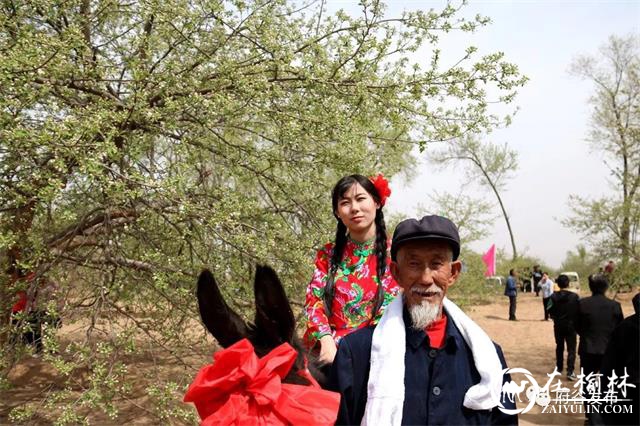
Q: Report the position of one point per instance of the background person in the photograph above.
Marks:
(511, 291)
(563, 307)
(30, 310)
(597, 317)
(546, 287)
(609, 269)
(526, 281)
(623, 355)
(351, 284)
(536, 276)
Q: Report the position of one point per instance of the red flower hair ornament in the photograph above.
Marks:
(241, 389)
(382, 186)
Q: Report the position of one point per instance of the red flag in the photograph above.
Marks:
(489, 259)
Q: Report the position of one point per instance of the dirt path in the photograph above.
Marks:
(528, 343)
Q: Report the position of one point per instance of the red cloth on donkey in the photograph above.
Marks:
(241, 389)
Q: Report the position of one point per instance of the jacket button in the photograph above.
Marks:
(436, 390)
(433, 353)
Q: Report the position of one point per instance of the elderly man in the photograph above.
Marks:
(426, 362)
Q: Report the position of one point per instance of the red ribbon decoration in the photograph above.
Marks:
(241, 389)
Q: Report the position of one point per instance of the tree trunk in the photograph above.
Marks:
(504, 211)
(506, 218)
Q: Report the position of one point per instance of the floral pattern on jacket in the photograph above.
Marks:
(356, 284)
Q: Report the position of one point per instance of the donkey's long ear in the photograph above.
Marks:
(274, 318)
(225, 325)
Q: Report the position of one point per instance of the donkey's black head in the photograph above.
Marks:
(274, 323)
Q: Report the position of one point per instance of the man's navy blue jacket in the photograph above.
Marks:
(435, 381)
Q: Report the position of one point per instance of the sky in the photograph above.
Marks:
(549, 131)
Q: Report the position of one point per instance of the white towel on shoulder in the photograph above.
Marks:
(385, 389)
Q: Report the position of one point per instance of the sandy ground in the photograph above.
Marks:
(529, 343)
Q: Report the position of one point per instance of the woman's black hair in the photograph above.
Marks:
(340, 242)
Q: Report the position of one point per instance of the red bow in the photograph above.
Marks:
(241, 389)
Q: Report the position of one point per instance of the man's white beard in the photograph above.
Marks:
(424, 315)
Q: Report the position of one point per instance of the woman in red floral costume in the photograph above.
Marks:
(352, 283)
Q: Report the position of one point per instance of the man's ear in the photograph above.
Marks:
(394, 270)
(456, 268)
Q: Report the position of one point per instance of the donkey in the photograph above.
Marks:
(274, 322)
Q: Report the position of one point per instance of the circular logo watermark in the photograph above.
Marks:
(512, 390)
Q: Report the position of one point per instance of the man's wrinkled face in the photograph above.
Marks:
(425, 271)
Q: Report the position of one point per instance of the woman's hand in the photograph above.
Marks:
(328, 350)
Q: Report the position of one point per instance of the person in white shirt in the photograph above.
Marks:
(546, 285)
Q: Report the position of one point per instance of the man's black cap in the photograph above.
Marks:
(428, 228)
